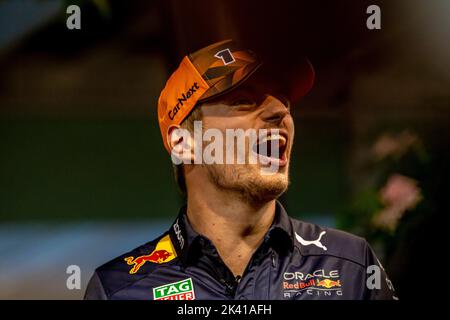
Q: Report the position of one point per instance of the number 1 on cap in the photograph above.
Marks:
(226, 56)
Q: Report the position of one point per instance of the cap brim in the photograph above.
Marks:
(293, 83)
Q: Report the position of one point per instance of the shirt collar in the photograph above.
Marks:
(187, 241)
(281, 232)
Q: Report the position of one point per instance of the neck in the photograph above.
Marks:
(235, 227)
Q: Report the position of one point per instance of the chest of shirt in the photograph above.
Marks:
(271, 277)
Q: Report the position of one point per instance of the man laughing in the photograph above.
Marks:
(225, 121)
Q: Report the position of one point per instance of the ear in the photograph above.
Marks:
(181, 145)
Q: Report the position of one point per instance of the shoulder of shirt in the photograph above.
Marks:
(338, 244)
(116, 274)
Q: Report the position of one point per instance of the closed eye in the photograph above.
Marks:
(243, 102)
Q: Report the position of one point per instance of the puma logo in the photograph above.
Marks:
(317, 242)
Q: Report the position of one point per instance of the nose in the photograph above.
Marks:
(274, 110)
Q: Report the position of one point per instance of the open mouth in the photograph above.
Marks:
(271, 148)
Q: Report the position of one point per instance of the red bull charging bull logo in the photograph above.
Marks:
(327, 283)
(164, 252)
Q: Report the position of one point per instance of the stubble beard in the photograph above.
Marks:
(247, 182)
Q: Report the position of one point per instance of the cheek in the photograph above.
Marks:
(289, 124)
(212, 123)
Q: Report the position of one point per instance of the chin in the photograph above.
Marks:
(249, 183)
(267, 188)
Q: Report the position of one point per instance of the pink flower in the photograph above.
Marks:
(395, 146)
(399, 194)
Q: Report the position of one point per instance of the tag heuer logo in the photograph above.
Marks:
(180, 290)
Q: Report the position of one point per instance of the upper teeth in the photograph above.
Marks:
(274, 136)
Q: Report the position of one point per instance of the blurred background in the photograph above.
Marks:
(84, 176)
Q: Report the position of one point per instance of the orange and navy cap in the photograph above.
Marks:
(212, 71)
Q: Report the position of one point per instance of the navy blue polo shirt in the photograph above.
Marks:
(295, 261)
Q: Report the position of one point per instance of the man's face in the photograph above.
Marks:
(250, 106)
